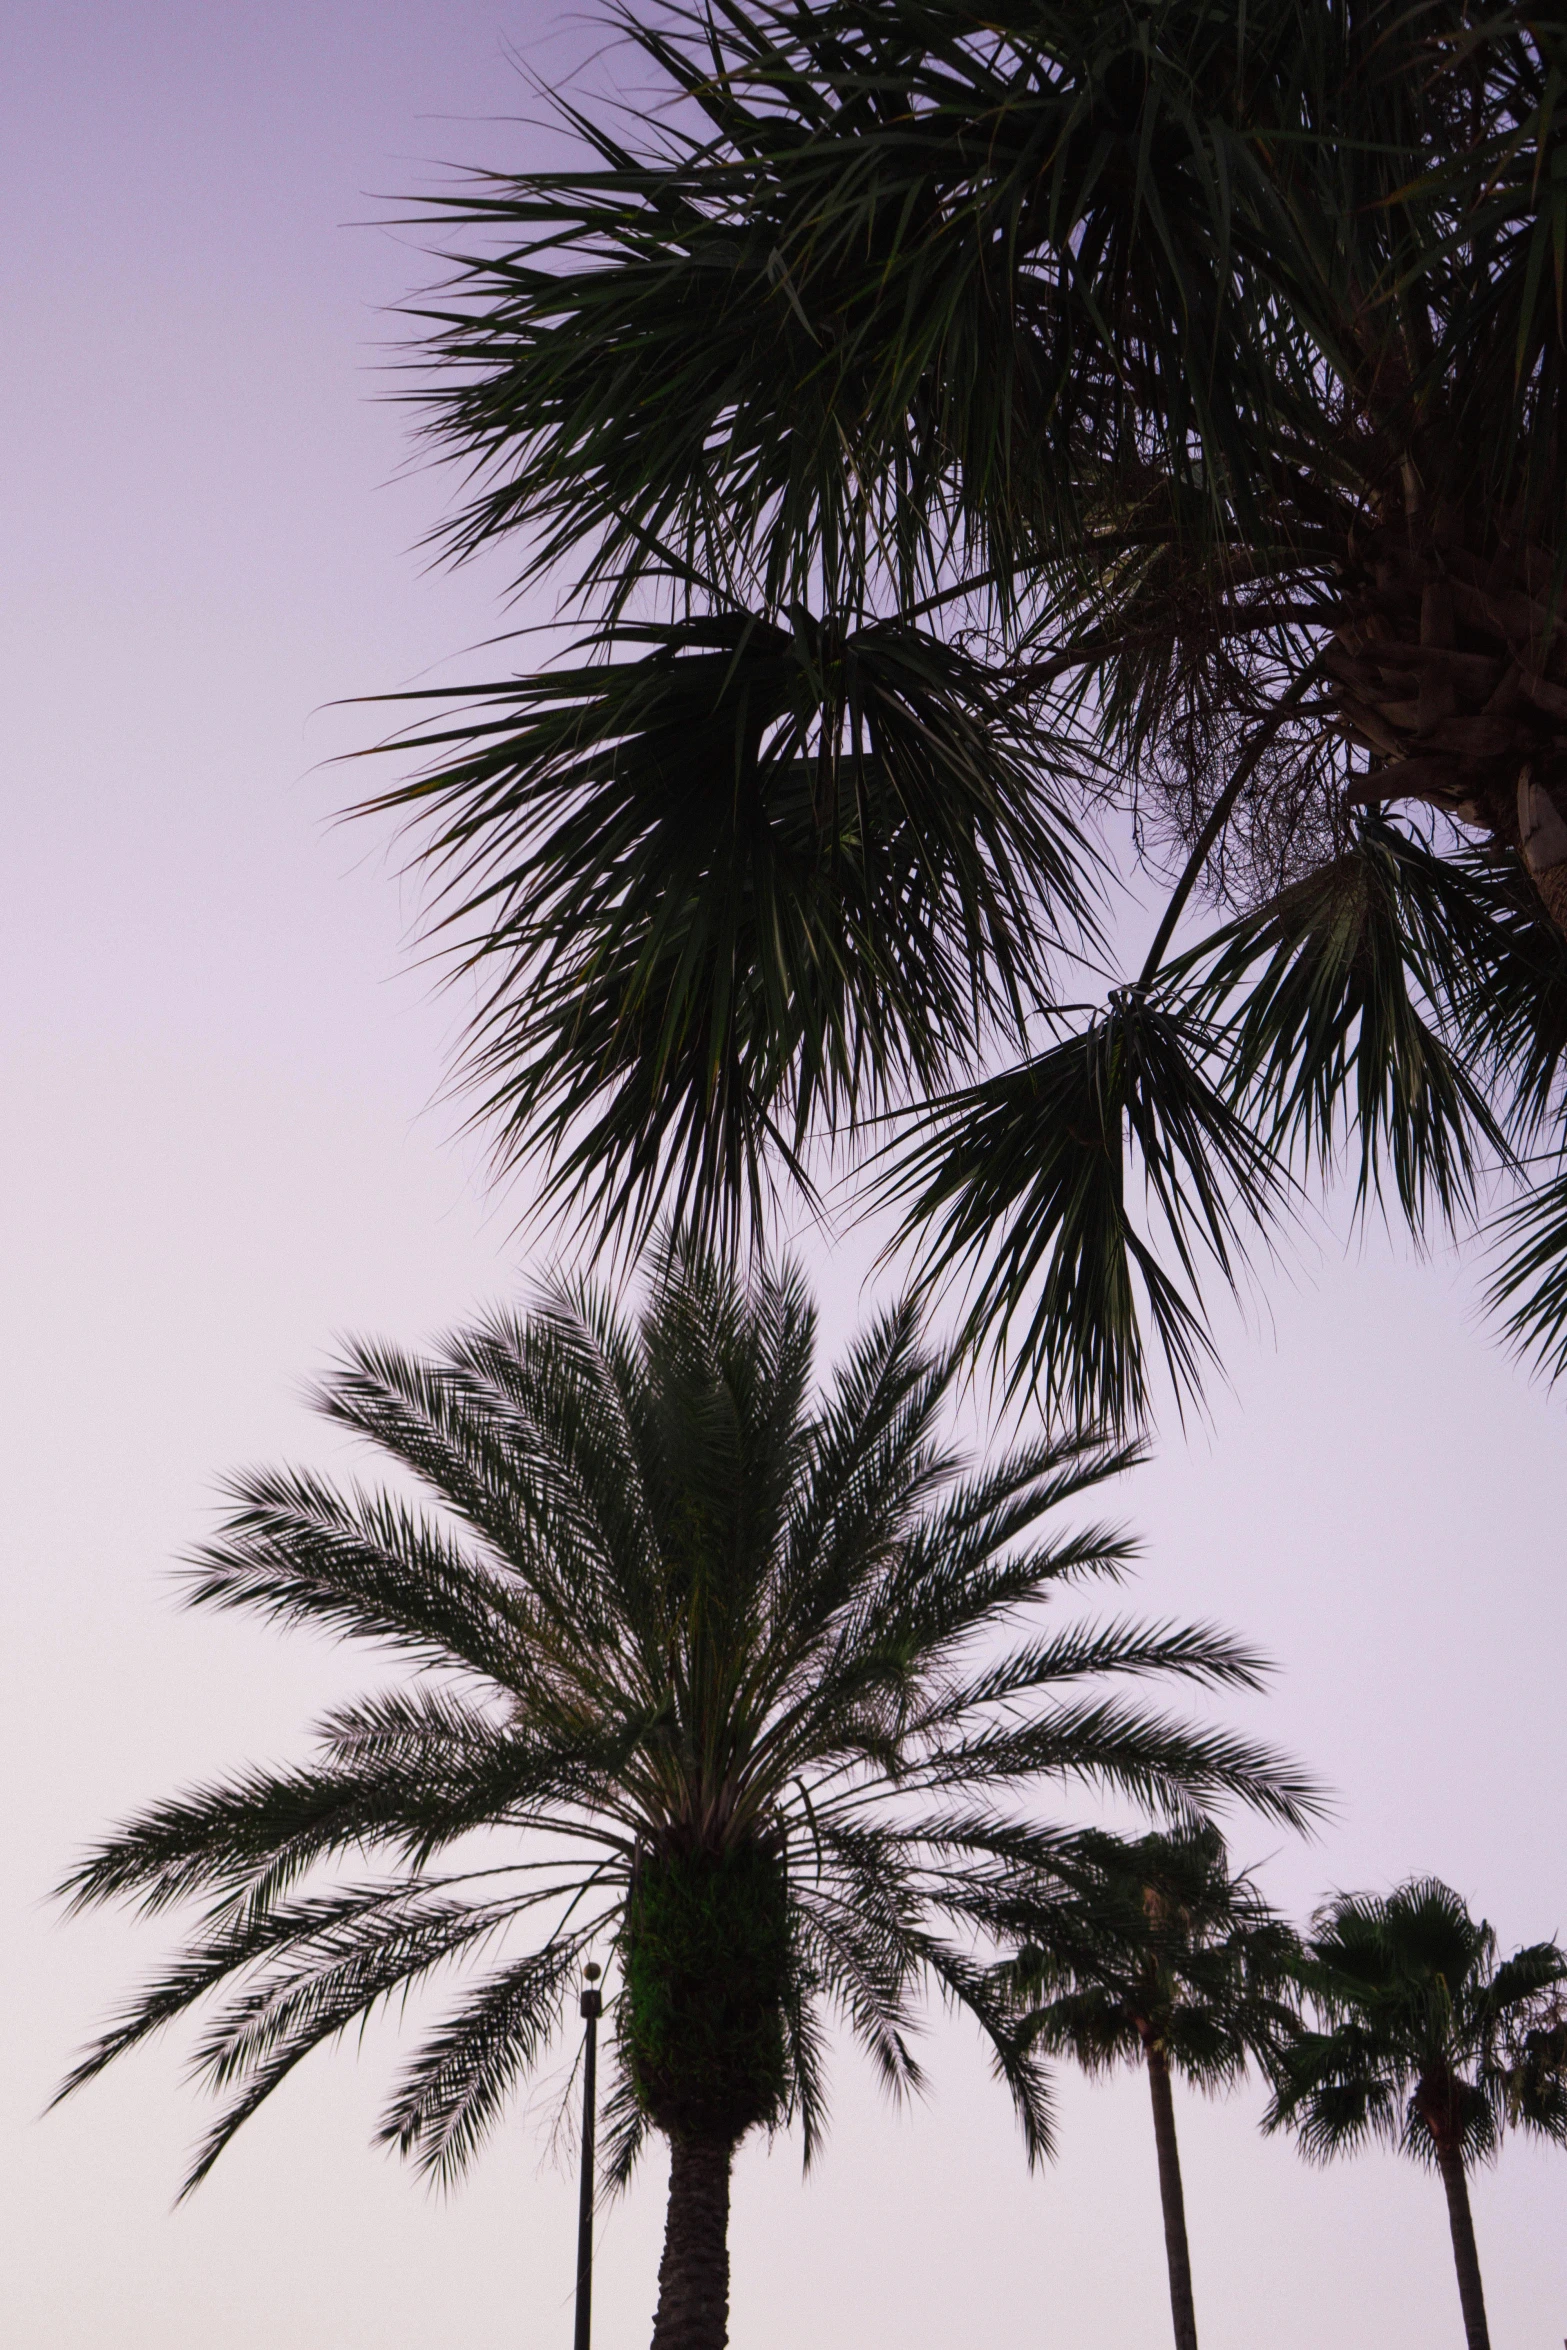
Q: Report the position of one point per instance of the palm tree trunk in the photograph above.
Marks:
(1466, 2258)
(1176, 2252)
(693, 2277)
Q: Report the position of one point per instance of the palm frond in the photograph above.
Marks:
(1342, 985)
(727, 880)
(446, 1771)
(1197, 1652)
(298, 1550)
(1020, 1184)
(1528, 1288)
(454, 2092)
(1153, 1758)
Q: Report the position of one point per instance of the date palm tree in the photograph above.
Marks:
(952, 424)
(1429, 2042)
(740, 1685)
(1149, 1951)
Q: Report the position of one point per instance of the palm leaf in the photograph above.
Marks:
(1343, 985)
(735, 880)
(1020, 1182)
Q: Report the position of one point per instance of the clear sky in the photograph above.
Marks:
(222, 1146)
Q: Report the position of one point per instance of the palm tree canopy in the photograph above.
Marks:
(1151, 1946)
(1016, 412)
(1429, 2041)
(743, 1683)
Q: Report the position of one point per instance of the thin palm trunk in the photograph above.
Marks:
(1182, 2308)
(1466, 2258)
(693, 2277)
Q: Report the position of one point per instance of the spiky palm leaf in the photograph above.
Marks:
(731, 880)
(679, 1623)
(1022, 1181)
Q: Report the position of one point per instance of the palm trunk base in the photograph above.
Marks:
(693, 2277)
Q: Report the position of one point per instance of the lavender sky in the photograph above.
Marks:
(223, 1147)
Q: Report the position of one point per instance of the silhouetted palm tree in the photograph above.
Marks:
(720, 1668)
(1428, 2043)
(951, 420)
(1152, 1953)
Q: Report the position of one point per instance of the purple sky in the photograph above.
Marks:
(218, 1076)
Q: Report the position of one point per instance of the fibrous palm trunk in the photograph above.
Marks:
(1466, 2258)
(693, 2277)
(1450, 670)
(1177, 2254)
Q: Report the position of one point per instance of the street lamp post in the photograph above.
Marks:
(592, 2009)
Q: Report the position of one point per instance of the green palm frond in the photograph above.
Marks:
(1502, 973)
(448, 1770)
(299, 1551)
(1151, 1758)
(333, 1973)
(1021, 1181)
(463, 2076)
(918, 281)
(1341, 990)
(1528, 1289)
(1197, 1652)
(731, 880)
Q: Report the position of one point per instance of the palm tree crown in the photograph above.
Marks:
(953, 420)
(1429, 2042)
(720, 1666)
(1151, 1945)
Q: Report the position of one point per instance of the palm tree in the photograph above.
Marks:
(718, 1668)
(1428, 2042)
(1150, 1952)
(951, 423)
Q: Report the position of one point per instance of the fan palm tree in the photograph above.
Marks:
(1150, 1952)
(717, 1673)
(952, 423)
(1428, 2042)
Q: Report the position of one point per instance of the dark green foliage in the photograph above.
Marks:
(745, 1683)
(707, 1966)
(1428, 2041)
(1149, 1946)
(911, 273)
(1024, 1179)
(1161, 404)
(732, 878)
(1530, 1285)
(1345, 993)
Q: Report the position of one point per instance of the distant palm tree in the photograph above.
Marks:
(1429, 2044)
(1155, 1954)
(719, 1666)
